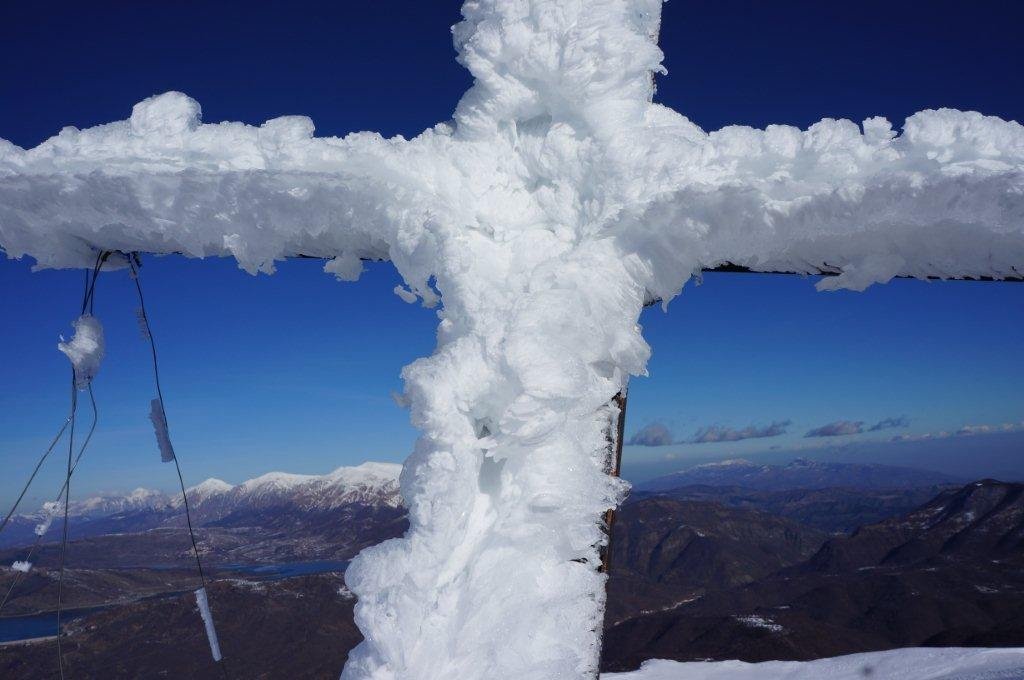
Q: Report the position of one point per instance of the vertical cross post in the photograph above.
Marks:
(613, 464)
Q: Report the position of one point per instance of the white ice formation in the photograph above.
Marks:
(85, 349)
(211, 633)
(163, 437)
(22, 566)
(46, 516)
(557, 200)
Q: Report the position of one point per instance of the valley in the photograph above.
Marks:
(732, 564)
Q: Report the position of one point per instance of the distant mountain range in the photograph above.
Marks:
(833, 509)
(799, 474)
(275, 496)
(217, 503)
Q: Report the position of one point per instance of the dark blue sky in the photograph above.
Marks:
(294, 371)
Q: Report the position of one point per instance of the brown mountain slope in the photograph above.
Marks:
(949, 573)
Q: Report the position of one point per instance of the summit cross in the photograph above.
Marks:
(558, 200)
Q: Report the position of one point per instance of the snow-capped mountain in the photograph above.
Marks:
(112, 504)
(373, 485)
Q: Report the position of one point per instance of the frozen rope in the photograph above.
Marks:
(211, 632)
(163, 437)
(159, 417)
(64, 534)
(88, 303)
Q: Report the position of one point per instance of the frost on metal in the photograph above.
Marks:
(163, 437)
(85, 349)
(211, 632)
(557, 200)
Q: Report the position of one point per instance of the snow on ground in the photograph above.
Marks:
(554, 204)
(760, 622)
(949, 663)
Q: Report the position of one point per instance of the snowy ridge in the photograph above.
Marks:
(555, 203)
(111, 504)
(369, 483)
(948, 663)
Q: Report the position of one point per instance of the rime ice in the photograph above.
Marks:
(555, 203)
(211, 633)
(163, 437)
(47, 515)
(85, 349)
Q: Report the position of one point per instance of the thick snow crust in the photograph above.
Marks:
(557, 200)
(949, 663)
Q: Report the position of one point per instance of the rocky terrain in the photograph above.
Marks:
(949, 573)
(666, 551)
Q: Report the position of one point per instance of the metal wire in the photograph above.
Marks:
(88, 304)
(39, 464)
(88, 301)
(134, 263)
(60, 496)
(64, 537)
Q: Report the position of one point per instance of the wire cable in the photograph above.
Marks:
(64, 538)
(134, 263)
(60, 496)
(88, 303)
(39, 464)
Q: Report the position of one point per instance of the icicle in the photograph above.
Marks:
(163, 439)
(21, 566)
(140, 316)
(211, 632)
(85, 349)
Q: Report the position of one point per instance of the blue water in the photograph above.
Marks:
(286, 570)
(35, 626)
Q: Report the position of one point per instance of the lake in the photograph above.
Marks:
(37, 625)
(285, 570)
(45, 625)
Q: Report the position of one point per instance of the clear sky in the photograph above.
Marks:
(295, 371)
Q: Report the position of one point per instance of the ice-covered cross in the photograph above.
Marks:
(557, 200)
